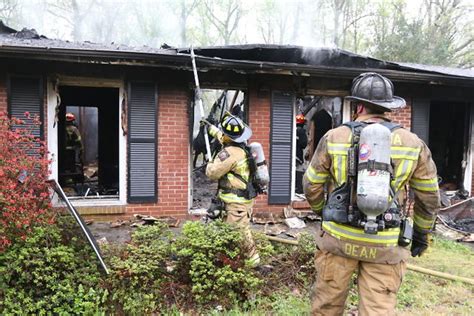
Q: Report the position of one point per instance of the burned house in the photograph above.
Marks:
(134, 109)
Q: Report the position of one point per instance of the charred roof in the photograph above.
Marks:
(253, 58)
(316, 56)
(30, 38)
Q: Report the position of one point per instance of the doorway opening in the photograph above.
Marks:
(449, 142)
(216, 103)
(88, 142)
(321, 113)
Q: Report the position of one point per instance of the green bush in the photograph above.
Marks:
(209, 257)
(50, 272)
(140, 271)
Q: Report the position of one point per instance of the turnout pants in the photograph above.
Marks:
(239, 214)
(377, 283)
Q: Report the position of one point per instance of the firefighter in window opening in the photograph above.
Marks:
(368, 232)
(301, 143)
(232, 168)
(74, 146)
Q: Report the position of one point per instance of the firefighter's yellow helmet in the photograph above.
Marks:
(235, 129)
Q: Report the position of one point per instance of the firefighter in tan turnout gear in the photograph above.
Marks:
(232, 168)
(353, 238)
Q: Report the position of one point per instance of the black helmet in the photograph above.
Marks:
(237, 130)
(376, 90)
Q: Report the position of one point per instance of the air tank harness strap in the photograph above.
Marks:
(247, 193)
(373, 165)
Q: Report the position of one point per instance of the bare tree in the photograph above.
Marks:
(272, 22)
(71, 12)
(225, 16)
(296, 21)
(337, 7)
(8, 10)
(355, 12)
(186, 9)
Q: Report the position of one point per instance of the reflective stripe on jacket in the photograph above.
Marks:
(411, 162)
(230, 161)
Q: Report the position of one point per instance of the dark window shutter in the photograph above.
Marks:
(420, 118)
(281, 147)
(26, 95)
(142, 142)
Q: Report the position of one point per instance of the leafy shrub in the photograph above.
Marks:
(210, 259)
(265, 248)
(24, 196)
(50, 272)
(140, 271)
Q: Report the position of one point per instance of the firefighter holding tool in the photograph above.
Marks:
(242, 173)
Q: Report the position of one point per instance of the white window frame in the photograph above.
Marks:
(52, 132)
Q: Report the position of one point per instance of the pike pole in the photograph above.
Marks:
(201, 108)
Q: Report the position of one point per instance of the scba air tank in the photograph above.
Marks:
(262, 176)
(373, 171)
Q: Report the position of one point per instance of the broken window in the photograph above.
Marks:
(88, 141)
(321, 114)
(216, 103)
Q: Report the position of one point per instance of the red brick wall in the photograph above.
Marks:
(403, 116)
(173, 157)
(259, 120)
(3, 93)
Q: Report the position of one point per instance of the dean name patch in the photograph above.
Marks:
(358, 251)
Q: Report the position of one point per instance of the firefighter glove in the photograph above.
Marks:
(204, 122)
(420, 243)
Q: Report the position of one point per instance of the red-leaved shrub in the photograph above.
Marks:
(24, 194)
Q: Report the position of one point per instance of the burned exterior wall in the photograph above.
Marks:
(173, 105)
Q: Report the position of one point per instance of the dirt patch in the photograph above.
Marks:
(120, 234)
(204, 189)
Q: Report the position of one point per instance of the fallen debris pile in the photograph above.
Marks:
(457, 221)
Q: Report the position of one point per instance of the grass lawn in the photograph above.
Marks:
(420, 294)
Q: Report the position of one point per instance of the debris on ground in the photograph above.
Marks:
(150, 220)
(102, 241)
(293, 233)
(169, 220)
(117, 223)
(305, 214)
(138, 224)
(300, 197)
(295, 222)
(198, 211)
(450, 233)
(89, 221)
(266, 218)
(274, 230)
(459, 216)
